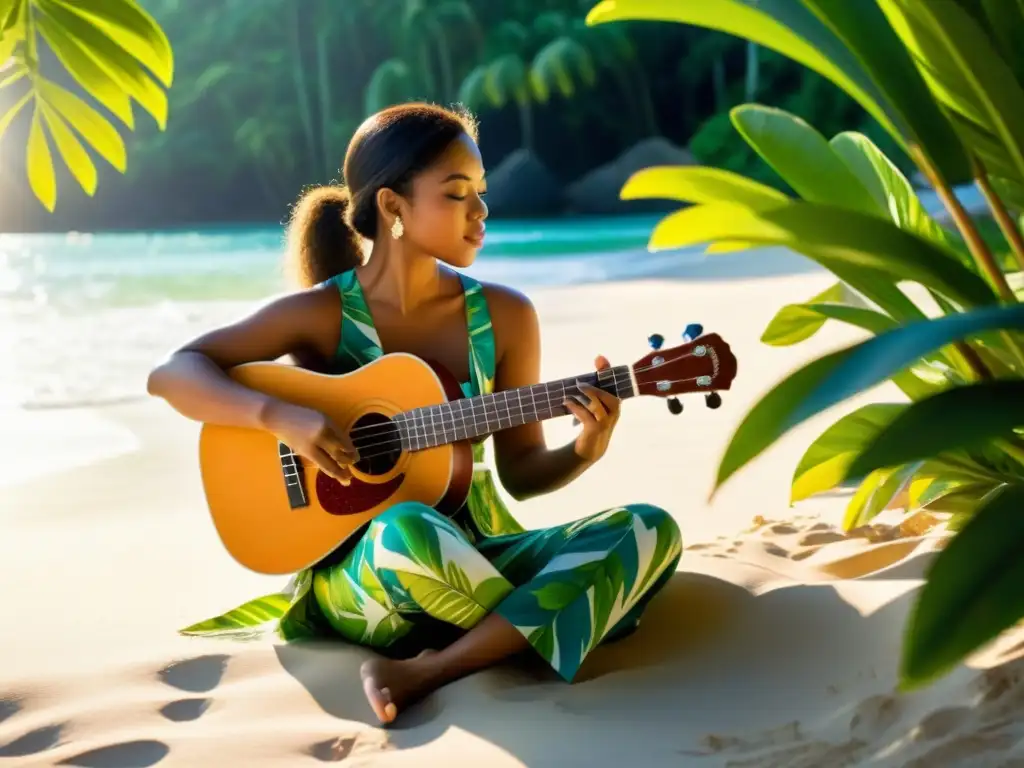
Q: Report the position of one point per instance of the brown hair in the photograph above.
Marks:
(327, 224)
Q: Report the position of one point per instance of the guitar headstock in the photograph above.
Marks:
(705, 364)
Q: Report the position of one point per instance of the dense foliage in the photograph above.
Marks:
(267, 92)
(946, 82)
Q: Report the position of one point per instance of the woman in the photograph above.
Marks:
(414, 188)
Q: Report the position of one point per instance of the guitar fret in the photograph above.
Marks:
(481, 415)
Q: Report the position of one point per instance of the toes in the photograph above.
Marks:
(390, 710)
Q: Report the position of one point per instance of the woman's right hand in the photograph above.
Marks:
(311, 434)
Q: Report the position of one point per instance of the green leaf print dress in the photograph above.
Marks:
(566, 588)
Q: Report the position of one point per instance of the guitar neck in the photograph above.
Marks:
(475, 417)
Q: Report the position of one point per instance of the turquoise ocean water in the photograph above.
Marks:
(83, 316)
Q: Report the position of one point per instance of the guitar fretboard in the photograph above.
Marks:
(473, 417)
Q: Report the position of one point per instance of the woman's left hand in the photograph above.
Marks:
(598, 417)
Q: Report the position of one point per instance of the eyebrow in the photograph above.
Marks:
(457, 176)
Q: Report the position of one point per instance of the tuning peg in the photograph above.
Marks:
(693, 330)
(674, 406)
(713, 400)
(655, 340)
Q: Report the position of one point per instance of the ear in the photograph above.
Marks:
(390, 205)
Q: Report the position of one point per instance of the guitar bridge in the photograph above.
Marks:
(294, 479)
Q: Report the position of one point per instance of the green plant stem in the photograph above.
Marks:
(1002, 216)
(983, 257)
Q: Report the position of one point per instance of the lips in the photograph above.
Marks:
(476, 238)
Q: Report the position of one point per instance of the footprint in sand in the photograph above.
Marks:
(199, 675)
(343, 747)
(33, 742)
(130, 754)
(821, 537)
(184, 710)
(9, 706)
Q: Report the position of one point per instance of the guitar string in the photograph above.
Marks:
(561, 382)
(397, 443)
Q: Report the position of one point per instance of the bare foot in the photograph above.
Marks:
(391, 684)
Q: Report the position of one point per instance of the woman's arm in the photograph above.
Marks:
(193, 379)
(526, 466)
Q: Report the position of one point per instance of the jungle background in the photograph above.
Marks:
(267, 94)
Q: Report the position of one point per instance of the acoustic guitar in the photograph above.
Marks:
(413, 428)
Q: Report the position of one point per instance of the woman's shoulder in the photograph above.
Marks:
(507, 301)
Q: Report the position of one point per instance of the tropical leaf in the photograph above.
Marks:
(972, 593)
(802, 157)
(391, 83)
(133, 29)
(797, 322)
(93, 127)
(442, 600)
(956, 418)
(825, 463)
(85, 70)
(968, 78)
(835, 238)
(251, 614)
(507, 79)
(791, 28)
(75, 156)
(894, 196)
(40, 165)
(875, 493)
(831, 379)
(698, 184)
(560, 63)
(112, 58)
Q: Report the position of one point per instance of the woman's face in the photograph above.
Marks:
(445, 213)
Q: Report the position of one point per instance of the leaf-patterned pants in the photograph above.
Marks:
(566, 588)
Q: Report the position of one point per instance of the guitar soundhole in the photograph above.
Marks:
(379, 443)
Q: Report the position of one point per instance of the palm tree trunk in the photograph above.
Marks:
(525, 123)
(753, 71)
(643, 96)
(301, 87)
(718, 79)
(323, 85)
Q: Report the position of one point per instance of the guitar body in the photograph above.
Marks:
(276, 514)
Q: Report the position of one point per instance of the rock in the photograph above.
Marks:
(521, 185)
(597, 192)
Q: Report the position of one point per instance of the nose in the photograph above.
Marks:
(480, 210)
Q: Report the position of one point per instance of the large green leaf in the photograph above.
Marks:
(132, 28)
(825, 463)
(956, 418)
(831, 379)
(801, 156)
(796, 322)
(40, 165)
(791, 28)
(75, 156)
(970, 79)
(118, 63)
(972, 593)
(893, 194)
(698, 184)
(875, 493)
(834, 237)
(96, 81)
(93, 127)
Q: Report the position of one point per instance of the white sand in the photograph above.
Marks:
(775, 645)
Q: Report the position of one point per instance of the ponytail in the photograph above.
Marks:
(320, 243)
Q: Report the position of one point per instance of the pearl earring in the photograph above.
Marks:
(398, 228)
